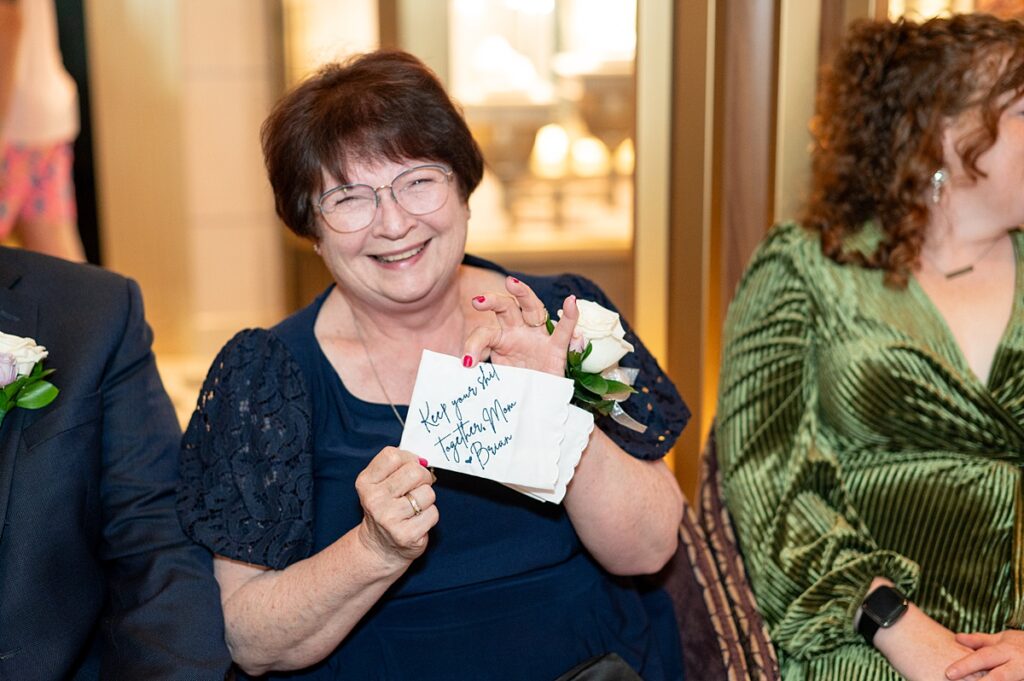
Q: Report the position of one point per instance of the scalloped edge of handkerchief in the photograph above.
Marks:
(552, 422)
(579, 437)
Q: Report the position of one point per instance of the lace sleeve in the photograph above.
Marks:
(246, 488)
(656, 403)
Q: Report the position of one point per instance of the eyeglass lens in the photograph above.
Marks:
(417, 191)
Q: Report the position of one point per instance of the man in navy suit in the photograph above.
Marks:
(97, 579)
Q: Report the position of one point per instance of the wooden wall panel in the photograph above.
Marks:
(746, 123)
(723, 127)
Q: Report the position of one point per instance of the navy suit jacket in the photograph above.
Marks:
(97, 579)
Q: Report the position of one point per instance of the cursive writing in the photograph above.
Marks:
(432, 418)
(485, 452)
(488, 373)
(472, 426)
(496, 413)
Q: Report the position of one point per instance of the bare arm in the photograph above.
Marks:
(918, 647)
(625, 510)
(293, 618)
(10, 37)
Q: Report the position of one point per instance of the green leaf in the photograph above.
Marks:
(618, 387)
(550, 325)
(587, 350)
(595, 383)
(575, 375)
(37, 395)
(37, 369)
(12, 388)
(44, 374)
(585, 397)
(591, 404)
(574, 359)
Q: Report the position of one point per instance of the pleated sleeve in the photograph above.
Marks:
(809, 556)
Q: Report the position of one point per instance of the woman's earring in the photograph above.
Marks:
(939, 178)
(316, 248)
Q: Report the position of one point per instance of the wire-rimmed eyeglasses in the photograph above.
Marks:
(418, 191)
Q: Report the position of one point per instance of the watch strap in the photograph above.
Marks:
(868, 628)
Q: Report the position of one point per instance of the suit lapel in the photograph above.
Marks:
(19, 316)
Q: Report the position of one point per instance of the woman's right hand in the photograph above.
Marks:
(294, 617)
(392, 487)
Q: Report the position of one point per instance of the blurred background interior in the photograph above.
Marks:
(647, 144)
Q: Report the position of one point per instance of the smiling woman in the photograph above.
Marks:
(341, 556)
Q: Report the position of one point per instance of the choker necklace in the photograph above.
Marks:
(380, 383)
(966, 269)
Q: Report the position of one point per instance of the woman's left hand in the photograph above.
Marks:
(625, 511)
(520, 337)
(1000, 656)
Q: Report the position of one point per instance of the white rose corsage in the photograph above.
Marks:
(592, 362)
(22, 375)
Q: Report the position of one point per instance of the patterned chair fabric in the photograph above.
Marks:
(723, 635)
(754, 641)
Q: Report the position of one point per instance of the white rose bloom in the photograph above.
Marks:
(603, 329)
(24, 350)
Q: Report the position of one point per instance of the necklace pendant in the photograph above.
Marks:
(960, 272)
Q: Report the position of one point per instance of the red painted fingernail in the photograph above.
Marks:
(515, 280)
(423, 462)
(467, 361)
(479, 299)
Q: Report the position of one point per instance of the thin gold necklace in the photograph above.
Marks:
(380, 383)
(966, 269)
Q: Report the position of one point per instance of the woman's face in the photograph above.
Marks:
(998, 197)
(399, 261)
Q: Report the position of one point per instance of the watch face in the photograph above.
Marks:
(885, 605)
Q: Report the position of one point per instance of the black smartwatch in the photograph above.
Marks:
(881, 609)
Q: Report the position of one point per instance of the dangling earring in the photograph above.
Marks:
(316, 248)
(939, 178)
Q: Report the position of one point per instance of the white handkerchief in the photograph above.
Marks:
(496, 422)
(577, 435)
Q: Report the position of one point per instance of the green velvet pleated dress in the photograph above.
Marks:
(855, 441)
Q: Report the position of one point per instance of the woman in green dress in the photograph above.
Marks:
(871, 415)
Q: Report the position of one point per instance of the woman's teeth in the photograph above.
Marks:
(405, 255)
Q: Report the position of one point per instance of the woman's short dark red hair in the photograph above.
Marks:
(377, 106)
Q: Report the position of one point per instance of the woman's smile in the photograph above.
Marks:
(402, 258)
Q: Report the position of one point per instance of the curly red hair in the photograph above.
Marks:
(881, 112)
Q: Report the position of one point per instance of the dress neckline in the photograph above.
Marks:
(325, 364)
(955, 352)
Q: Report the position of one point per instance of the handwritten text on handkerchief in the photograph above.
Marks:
(461, 436)
(498, 422)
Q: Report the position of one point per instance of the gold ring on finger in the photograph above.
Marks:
(416, 510)
(541, 322)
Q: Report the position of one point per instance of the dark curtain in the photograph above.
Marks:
(71, 30)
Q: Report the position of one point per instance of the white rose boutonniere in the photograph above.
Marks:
(598, 343)
(22, 374)
(602, 329)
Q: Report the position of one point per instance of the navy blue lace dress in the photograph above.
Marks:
(505, 589)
